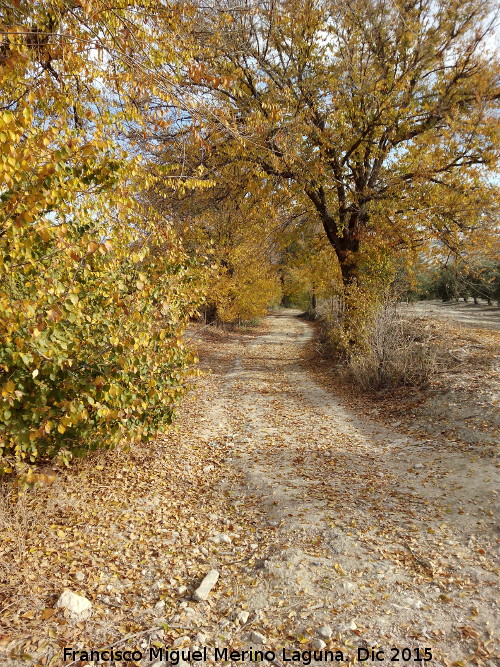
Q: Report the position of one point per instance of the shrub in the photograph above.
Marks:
(348, 318)
(94, 296)
(398, 352)
(94, 289)
(91, 327)
(243, 287)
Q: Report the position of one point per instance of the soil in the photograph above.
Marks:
(460, 406)
(470, 314)
(334, 517)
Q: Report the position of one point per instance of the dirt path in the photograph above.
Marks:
(387, 541)
(328, 530)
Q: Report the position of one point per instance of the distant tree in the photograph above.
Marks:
(448, 284)
(478, 279)
(484, 281)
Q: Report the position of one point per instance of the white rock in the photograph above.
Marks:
(200, 639)
(325, 631)
(220, 538)
(160, 604)
(208, 468)
(181, 663)
(242, 616)
(79, 576)
(413, 603)
(348, 585)
(205, 588)
(257, 638)
(181, 590)
(318, 644)
(352, 626)
(77, 605)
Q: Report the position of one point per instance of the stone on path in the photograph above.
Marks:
(184, 639)
(78, 606)
(257, 638)
(348, 585)
(413, 603)
(318, 644)
(242, 616)
(325, 632)
(205, 588)
(221, 537)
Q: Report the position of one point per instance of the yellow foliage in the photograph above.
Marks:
(88, 354)
(245, 292)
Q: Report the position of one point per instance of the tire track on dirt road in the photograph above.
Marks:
(388, 540)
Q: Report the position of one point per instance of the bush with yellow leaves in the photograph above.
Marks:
(95, 291)
(92, 315)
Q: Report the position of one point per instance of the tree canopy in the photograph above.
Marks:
(155, 155)
(379, 116)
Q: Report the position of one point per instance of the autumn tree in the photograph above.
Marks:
(238, 222)
(308, 270)
(379, 115)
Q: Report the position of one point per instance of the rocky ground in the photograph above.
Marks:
(330, 528)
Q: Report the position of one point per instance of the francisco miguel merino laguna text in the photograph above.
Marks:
(174, 656)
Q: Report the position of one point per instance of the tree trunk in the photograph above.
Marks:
(346, 244)
(313, 301)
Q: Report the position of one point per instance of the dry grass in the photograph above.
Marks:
(455, 401)
(399, 352)
(19, 515)
(23, 513)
